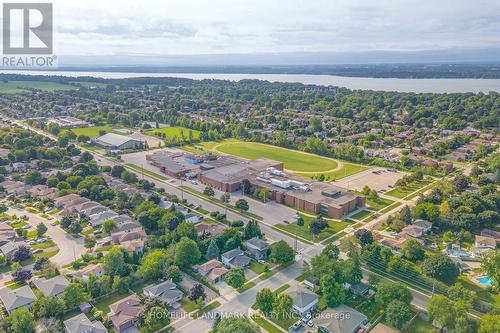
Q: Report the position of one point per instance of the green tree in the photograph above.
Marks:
(490, 323)
(265, 300)
(386, 292)
(74, 295)
(333, 292)
(235, 277)
(491, 265)
(281, 253)
(440, 267)
(187, 229)
(209, 191)
(174, 273)
(114, 262)
(154, 264)
(48, 306)
(405, 215)
(242, 204)
(21, 321)
(283, 305)
(41, 229)
(442, 311)
(89, 242)
(186, 252)
(34, 177)
(108, 226)
(156, 318)
(397, 313)
(412, 250)
(212, 250)
(251, 230)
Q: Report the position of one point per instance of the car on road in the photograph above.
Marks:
(310, 323)
(27, 226)
(53, 223)
(307, 317)
(194, 182)
(296, 326)
(37, 251)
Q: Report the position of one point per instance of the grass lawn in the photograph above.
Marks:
(147, 172)
(93, 131)
(282, 289)
(361, 215)
(293, 159)
(267, 275)
(14, 87)
(44, 245)
(103, 304)
(54, 211)
(256, 267)
(19, 224)
(188, 306)
(246, 286)
(202, 147)
(286, 321)
(48, 254)
(171, 131)
(206, 309)
(401, 192)
(420, 326)
(346, 170)
(266, 325)
(303, 231)
(379, 204)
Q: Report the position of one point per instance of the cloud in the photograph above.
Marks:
(97, 27)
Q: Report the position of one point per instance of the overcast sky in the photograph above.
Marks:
(158, 28)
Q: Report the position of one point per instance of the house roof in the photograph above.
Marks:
(213, 269)
(13, 299)
(258, 243)
(51, 287)
(342, 319)
(486, 241)
(206, 228)
(422, 223)
(303, 297)
(412, 230)
(166, 290)
(233, 253)
(81, 324)
(125, 310)
(91, 269)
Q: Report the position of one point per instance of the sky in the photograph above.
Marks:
(192, 29)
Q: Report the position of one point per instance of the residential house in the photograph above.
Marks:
(51, 287)
(361, 289)
(166, 291)
(98, 219)
(425, 225)
(257, 248)
(9, 248)
(60, 202)
(235, 258)
(413, 231)
(193, 218)
(342, 319)
(213, 270)
(491, 233)
(133, 246)
(14, 187)
(124, 313)
(82, 324)
(12, 299)
(94, 269)
(125, 236)
(483, 245)
(311, 282)
(304, 301)
(43, 191)
(207, 229)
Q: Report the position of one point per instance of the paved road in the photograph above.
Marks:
(70, 248)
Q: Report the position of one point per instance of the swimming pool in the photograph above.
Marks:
(484, 280)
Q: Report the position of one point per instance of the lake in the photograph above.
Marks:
(362, 83)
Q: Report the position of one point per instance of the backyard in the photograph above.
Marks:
(304, 232)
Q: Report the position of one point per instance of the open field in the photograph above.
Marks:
(404, 191)
(92, 131)
(293, 159)
(14, 87)
(346, 170)
(303, 231)
(171, 131)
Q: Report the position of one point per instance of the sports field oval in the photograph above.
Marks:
(294, 160)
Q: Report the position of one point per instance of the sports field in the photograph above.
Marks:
(93, 131)
(171, 131)
(14, 87)
(294, 160)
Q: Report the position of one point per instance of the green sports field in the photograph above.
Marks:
(93, 131)
(293, 159)
(171, 131)
(14, 87)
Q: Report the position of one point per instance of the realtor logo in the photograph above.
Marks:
(27, 28)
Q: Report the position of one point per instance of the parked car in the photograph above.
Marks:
(310, 323)
(27, 226)
(296, 326)
(53, 223)
(37, 251)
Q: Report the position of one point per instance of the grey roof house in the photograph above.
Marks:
(22, 297)
(342, 319)
(257, 248)
(304, 301)
(235, 258)
(166, 291)
(51, 287)
(82, 324)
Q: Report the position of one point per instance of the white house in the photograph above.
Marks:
(304, 301)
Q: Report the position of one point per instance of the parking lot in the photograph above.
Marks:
(379, 179)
